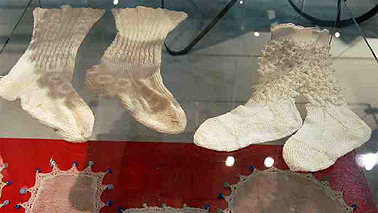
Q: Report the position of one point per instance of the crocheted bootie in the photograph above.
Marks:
(41, 78)
(330, 129)
(270, 114)
(130, 68)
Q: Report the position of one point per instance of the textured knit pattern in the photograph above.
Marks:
(2, 184)
(330, 129)
(130, 68)
(277, 191)
(147, 209)
(66, 191)
(270, 114)
(41, 78)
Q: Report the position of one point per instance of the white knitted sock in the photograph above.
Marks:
(41, 78)
(130, 68)
(270, 114)
(330, 129)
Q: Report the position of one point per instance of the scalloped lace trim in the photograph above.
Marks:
(147, 209)
(66, 191)
(298, 58)
(297, 27)
(240, 186)
(322, 89)
(2, 184)
(286, 65)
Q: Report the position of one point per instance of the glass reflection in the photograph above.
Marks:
(368, 160)
(268, 162)
(230, 161)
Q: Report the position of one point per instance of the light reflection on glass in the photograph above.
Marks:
(241, 2)
(257, 34)
(52, 162)
(271, 14)
(368, 160)
(337, 34)
(268, 162)
(115, 2)
(230, 161)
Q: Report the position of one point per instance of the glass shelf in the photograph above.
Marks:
(216, 76)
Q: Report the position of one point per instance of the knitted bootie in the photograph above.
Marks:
(270, 114)
(41, 78)
(330, 129)
(130, 68)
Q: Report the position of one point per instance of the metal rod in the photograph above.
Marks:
(341, 23)
(203, 32)
(362, 34)
(336, 21)
(15, 26)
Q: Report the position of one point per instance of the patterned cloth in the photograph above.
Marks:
(165, 209)
(3, 184)
(278, 191)
(66, 191)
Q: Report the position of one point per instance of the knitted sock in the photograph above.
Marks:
(270, 114)
(41, 78)
(130, 68)
(330, 129)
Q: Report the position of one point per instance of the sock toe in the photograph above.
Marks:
(72, 136)
(83, 115)
(170, 122)
(71, 118)
(299, 156)
(212, 135)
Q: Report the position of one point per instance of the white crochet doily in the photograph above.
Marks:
(3, 184)
(165, 209)
(278, 191)
(66, 191)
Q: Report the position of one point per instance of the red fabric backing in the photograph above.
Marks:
(157, 173)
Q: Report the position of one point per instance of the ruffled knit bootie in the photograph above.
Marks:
(330, 129)
(130, 68)
(270, 114)
(41, 78)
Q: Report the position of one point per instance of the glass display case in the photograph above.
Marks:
(117, 107)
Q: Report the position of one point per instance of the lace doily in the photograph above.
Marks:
(275, 190)
(165, 209)
(66, 191)
(3, 184)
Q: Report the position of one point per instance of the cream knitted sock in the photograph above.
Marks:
(270, 114)
(330, 129)
(130, 68)
(41, 78)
